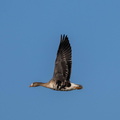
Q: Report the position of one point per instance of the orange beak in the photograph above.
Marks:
(30, 86)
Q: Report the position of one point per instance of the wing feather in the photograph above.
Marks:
(63, 61)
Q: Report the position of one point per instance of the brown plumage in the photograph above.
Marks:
(62, 70)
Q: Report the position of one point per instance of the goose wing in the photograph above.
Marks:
(63, 61)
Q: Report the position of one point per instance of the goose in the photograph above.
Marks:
(62, 71)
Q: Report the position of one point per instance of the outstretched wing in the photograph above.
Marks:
(63, 61)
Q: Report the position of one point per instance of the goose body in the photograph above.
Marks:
(62, 70)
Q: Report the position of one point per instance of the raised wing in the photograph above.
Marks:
(63, 61)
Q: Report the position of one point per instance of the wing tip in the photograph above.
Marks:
(63, 37)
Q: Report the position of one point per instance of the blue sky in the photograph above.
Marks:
(29, 37)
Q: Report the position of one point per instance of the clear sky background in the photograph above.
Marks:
(29, 37)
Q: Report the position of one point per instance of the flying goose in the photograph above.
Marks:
(62, 70)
